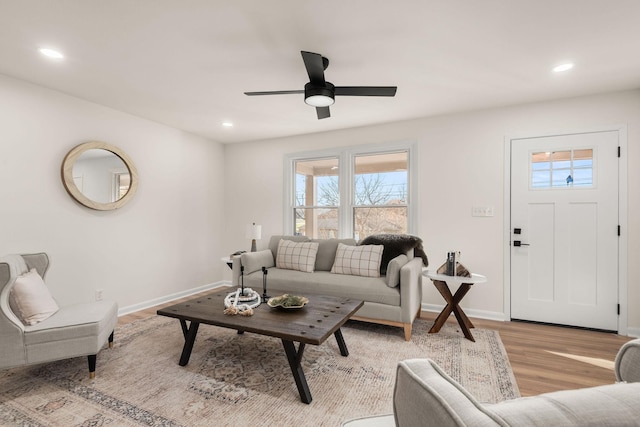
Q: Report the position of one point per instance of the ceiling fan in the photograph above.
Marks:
(320, 93)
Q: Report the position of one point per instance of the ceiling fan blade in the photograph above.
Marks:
(323, 112)
(275, 92)
(314, 65)
(366, 90)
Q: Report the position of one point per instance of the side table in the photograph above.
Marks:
(442, 282)
(227, 260)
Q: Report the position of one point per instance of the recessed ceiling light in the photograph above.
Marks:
(227, 124)
(51, 53)
(563, 67)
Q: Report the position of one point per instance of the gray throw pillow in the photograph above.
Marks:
(393, 270)
(327, 252)
(254, 261)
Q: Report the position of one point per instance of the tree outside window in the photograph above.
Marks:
(379, 203)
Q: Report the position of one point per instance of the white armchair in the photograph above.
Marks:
(424, 396)
(72, 331)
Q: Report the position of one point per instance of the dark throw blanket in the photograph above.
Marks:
(394, 245)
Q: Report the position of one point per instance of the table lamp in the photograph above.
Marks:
(254, 232)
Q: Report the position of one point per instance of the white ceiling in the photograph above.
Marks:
(187, 63)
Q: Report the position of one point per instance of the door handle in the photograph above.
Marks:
(519, 243)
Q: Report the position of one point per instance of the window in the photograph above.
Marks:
(562, 169)
(317, 198)
(350, 193)
(380, 194)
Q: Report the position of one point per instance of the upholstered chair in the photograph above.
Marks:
(628, 362)
(425, 395)
(52, 333)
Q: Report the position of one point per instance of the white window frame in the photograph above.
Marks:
(346, 177)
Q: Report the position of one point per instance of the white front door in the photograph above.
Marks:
(564, 229)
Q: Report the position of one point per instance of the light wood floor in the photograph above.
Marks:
(529, 346)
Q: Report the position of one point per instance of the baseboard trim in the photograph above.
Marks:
(167, 298)
(480, 314)
(501, 317)
(633, 332)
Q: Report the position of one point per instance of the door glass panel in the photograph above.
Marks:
(562, 169)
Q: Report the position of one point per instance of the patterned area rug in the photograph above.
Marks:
(244, 379)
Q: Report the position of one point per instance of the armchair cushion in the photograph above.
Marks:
(31, 300)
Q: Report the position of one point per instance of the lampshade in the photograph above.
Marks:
(254, 232)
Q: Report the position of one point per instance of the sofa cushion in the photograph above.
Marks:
(358, 260)
(393, 270)
(299, 256)
(275, 241)
(31, 300)
(254, 261)
(370, 289)
(327, 252)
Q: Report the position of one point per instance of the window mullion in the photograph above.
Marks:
(345, 214)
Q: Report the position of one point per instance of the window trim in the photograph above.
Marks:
(346, 156)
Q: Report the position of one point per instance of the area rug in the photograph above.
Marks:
(244, 379)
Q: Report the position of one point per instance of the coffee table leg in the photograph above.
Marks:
(188, 343)
(185, 330)
(341, 344)
(295, 358)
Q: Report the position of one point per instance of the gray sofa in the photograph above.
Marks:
(426, 396)
(385, 304)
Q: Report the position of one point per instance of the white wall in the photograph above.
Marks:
(196, 196)
(465, 149)
(166, 240)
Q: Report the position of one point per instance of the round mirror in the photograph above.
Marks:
(99, 175)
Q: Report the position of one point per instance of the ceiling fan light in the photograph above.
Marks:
(319, 100)
(319, 96)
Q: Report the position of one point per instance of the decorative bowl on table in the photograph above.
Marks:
(288, 302)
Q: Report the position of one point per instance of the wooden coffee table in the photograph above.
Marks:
(313, 324)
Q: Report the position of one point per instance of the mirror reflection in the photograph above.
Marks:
(99, 175)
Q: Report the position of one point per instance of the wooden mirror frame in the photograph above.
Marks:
(74, 191)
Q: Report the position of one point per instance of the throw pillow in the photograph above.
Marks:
(327, 252)
(31, 300)
(254, 261)
(393, 270)
(358, 260)
(299, 256)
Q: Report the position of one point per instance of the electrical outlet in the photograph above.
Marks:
(98, 294)
(482, 211)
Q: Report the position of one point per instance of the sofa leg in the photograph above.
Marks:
(111, 340)
(407, 331)
(92, 366)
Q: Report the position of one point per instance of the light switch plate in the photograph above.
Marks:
(482, 211)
